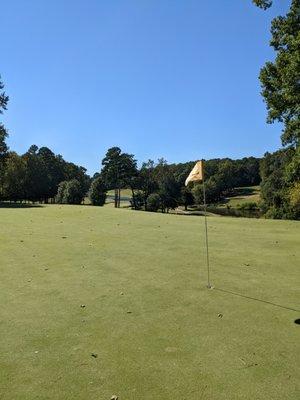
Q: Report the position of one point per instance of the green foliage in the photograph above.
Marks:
(13, 186)
(197, 192)
(280, 82)
(223, 175)
(52, 171)
(281, 79)
(138, 200)
(264, 4)
(3, 133)
(70, 192)
(169, 192)
(153, 202)
(74, 192)
(119, 171)
(3, 137)
(42, 171)
(3, 97)
(250, 206)
(186, 197)
(97, 193)
(295, 197)
(280, 173)
(61, 190)
(146, 180)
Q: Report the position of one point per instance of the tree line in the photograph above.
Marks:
(161, 186)
(35, 175)
(39, 175)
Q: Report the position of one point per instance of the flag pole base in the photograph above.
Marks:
(209, 286)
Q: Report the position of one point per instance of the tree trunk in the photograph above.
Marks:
(119, 197)
(116, 198)
(133, 199)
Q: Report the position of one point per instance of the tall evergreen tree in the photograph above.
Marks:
(118, 171)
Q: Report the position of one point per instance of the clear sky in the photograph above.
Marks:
(158, 78)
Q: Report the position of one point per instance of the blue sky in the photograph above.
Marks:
(159, 78)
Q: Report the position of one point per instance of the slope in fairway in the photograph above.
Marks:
(129, 287)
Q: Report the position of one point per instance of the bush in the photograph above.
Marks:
(74, 193)
(61, 192)
(153, 202)
(138, 202)
(97, 193)
(250, 205)
(295, 197)
(70, 192)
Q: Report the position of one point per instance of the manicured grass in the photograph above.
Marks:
(244, 195)
(126, 196)
(157, 331)
(125, 193)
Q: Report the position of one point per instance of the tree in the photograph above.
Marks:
(13, 187)
(53, 171)
(169, 192)
(275, 188)
(295, 198)
(281, 79)
(61, 192)
(280, 82)
(263, 3)
(73, 171)
(146, 180)
(3, 132)
(3, 145)
(74, 192)
(97, 193)
(213, 191)
(138, 201)
(36, 186)
(118, 171)
(186, 197)
(70, 192)
(153, 202)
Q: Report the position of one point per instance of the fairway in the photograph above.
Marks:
(97, 301)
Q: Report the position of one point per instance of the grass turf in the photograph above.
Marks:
(242, 195)
(155, 330)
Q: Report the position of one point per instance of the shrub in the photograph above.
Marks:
(61, 192)
(153, 202)
(70, 192)
(138, 202)
(97, 193)
(250, 205)
(74, 193)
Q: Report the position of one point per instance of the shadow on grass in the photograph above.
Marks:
(260, 300)
(6, 204)
(244, 191)
(297, 321)
(239, 194)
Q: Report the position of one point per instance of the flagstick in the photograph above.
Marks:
(206, 235)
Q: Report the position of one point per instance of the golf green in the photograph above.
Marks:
(97, 302)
